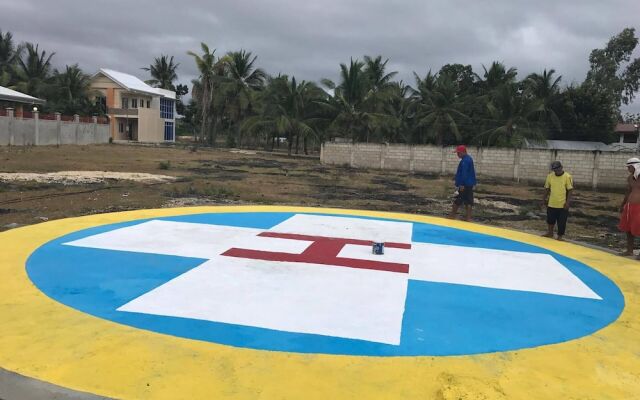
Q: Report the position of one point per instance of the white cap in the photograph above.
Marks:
(633, 160)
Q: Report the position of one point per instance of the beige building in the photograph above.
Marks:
(136, 111)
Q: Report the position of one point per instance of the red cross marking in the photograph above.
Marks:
(323, 250)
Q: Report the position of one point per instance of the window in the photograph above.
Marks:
(166, 108)
(121, 127)
(101, 103)
(141, 104)
(125, 103)
(168, 131)
(134, 103)
(629, 138)
(148, 103)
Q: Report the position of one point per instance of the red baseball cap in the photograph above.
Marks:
(461, 149)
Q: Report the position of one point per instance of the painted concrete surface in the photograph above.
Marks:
(159, 303)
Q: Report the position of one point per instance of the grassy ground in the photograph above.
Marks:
(226, 177)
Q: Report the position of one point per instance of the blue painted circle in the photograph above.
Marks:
(439, 319)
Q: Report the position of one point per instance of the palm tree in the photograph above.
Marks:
(71, 91)
(439, 109)
(163, 72)
(425, 85)
(546, 89)
(33, 71)
(355, 108)
(495, 76)
(288, 110)
(375, 69)
(400, 114)
(510, 111)
(9, 53)
(242, 81)
(204, 87)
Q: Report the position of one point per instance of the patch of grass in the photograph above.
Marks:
(199, 191)
(164, 165)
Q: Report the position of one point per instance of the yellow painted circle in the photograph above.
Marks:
(44, 339)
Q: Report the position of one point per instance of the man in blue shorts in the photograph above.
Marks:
(465, 182)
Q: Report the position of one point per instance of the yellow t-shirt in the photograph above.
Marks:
(559, 186)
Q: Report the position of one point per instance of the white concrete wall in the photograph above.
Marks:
(589, 169)
(21, 132)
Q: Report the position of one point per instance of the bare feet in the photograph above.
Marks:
(548, 235)
(560, 239)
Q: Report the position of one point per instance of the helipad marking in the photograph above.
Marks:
(71, 348)
(288, 281)
(302, 298)
(429, 262)
(498, 269)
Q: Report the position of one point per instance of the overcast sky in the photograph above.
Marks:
(309, 39)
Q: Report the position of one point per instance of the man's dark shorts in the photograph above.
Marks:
(556, 215)
(465, 197)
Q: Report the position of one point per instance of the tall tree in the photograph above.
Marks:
(70, 91)
(546, 89)
(462, 74)
(439, 110)
(352, 107)
(497, 75)
(398, 127)
(585, 114)
(163, 72)
(33, 71)
(242, 80)
(510, 114)
(9, 53)
(613, 72)
(376, 71)
(181, 91)
(203, 88)
(288, 110)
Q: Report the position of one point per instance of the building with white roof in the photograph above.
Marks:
(137, 111)
(10, 98)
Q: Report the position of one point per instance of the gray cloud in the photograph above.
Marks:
(310, 39)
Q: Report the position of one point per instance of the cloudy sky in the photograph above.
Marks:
(309, 39)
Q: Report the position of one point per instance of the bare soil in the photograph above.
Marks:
(207, 176)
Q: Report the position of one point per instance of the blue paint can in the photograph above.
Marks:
(378, 248)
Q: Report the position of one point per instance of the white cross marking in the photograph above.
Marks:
(319, 299)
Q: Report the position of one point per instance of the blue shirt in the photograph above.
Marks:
(466, 174)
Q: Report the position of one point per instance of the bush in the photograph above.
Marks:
(164, 165)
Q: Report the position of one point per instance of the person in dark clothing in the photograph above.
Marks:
(465, 182)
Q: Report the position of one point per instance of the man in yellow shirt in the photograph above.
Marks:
(557, 198)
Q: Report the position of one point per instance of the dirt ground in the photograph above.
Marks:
(207, 176)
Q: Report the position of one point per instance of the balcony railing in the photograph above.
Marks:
(123, 111)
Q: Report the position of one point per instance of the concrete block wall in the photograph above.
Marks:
(580, 164)
(366, 155)
(397, 157)
(493, 162)
(340, 154)
(23, 132)
(588, 168)
(534, 165)
(427, 159)
(609, 166)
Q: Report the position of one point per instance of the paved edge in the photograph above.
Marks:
(14, 386)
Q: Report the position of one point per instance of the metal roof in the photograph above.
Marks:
(7, 94)
(134, 84)
(626, 128)
(566, 145)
